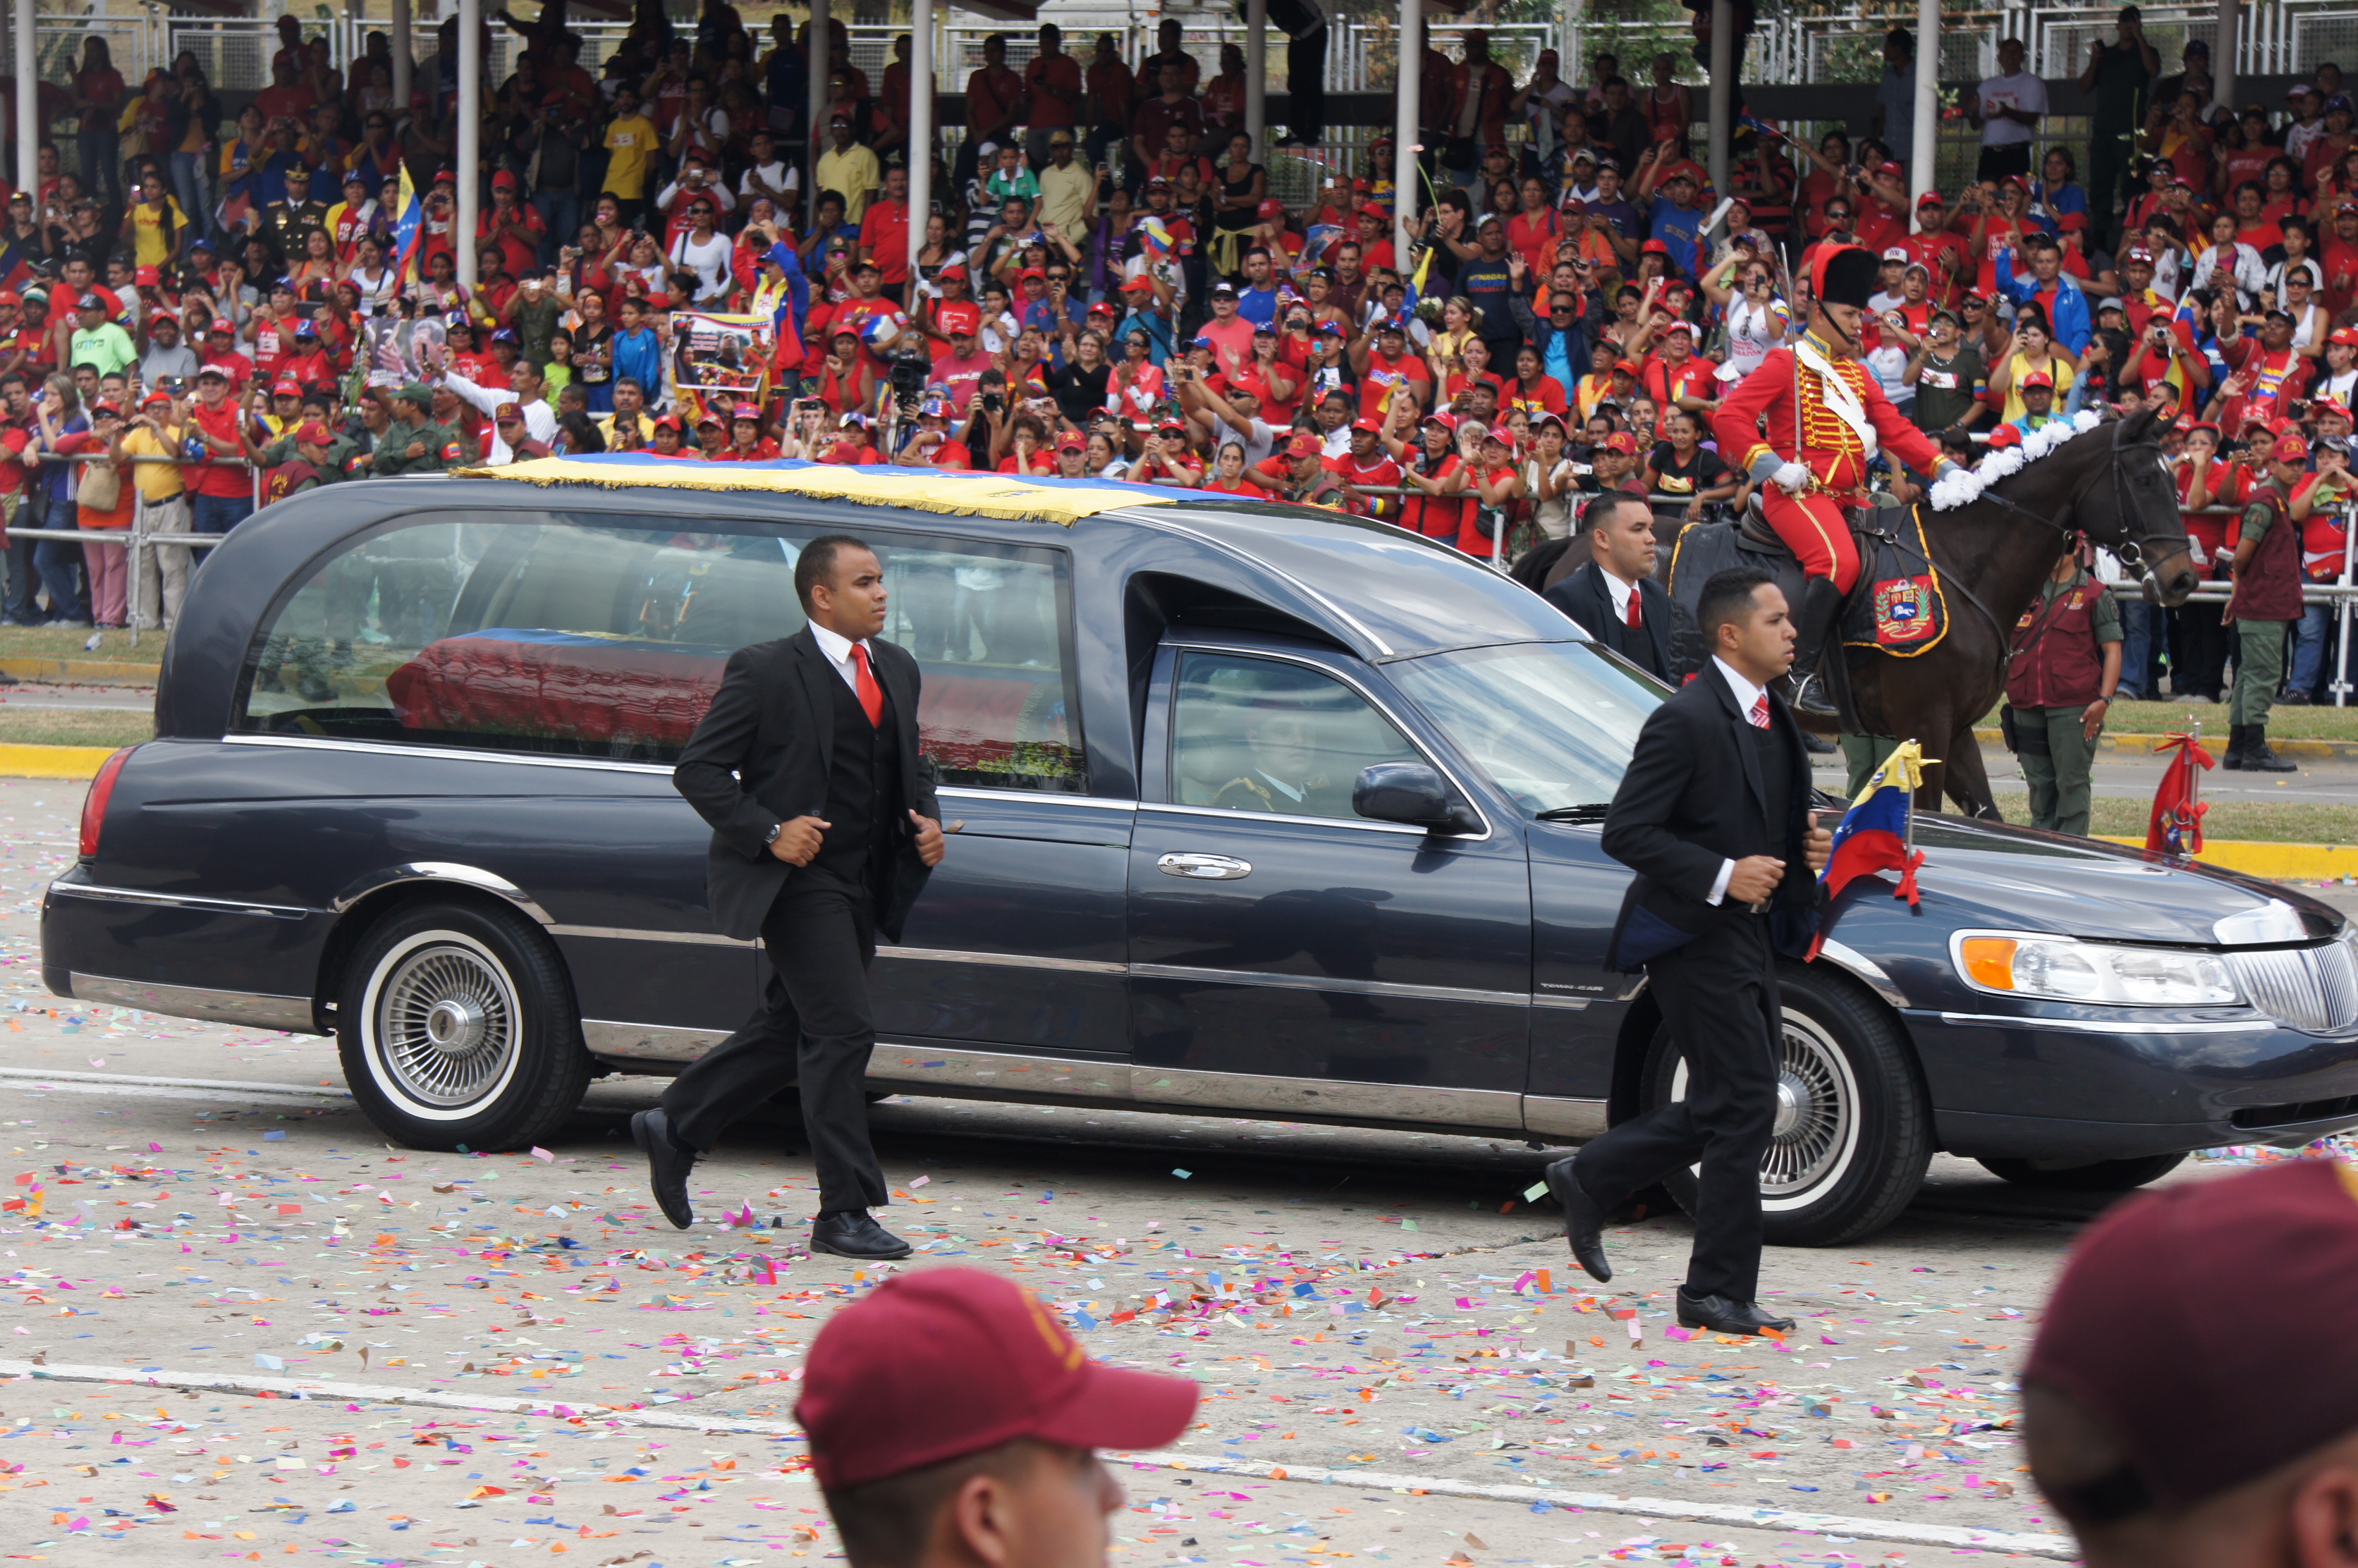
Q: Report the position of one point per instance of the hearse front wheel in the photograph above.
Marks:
(457, 1028)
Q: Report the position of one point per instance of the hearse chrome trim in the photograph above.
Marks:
(1363, 824)
(1491, 1110)
(1329, 983)
(2116, 1025)
(441, 872)
(1562, 1003)
(648, 1042)
(1561, 1117)
(1005, 960)
(630, 934)
(904, 1065)
(1095, 803)
(254, 1009)
(1859, 967)
(177, 900)
(453, 754)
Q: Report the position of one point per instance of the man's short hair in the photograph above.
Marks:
(1599, 518)
(1726, 597)
(815, 565)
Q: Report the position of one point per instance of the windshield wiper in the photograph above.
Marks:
(1575, 814)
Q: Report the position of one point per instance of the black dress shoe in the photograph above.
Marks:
(854, 1233)
(1583, 1222)
(668, 1166)
(1723, 1315)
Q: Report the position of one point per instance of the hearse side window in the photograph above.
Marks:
(1266, 736)
(601, 636)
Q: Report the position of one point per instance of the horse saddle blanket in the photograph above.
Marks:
(1895, 606)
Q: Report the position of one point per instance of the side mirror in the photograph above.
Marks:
(1413, 793)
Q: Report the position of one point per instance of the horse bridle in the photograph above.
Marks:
(2129, 552)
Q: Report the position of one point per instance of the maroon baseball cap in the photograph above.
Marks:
(935, 1366)
(2188, 1324)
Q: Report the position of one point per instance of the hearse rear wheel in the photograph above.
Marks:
(1854, 1131)
(457, 1029)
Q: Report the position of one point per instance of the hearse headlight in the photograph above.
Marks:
(2057, 969)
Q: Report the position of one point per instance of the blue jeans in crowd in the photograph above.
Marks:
(58, 562)
(2141, 634)
(100, 148)
(217, 515)
(20, 609)
(194, 192)
(2312, 640)
(561, 212)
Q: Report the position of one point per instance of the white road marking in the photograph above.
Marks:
(2023, 1542)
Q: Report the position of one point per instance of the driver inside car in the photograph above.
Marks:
(1285, 778)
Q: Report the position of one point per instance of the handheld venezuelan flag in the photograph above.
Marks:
(2175, 826)
(409, 229)
(1877, 833)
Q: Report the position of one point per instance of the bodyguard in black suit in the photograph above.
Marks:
(824, 829)
(1727, 880)
(1621, 535)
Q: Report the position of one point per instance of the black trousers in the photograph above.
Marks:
(814, 1029)
(1718, 993)
(1305, 85)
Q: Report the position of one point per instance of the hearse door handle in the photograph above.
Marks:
(1204, 868)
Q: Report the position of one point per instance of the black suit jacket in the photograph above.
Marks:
(1675, 819)
(1584, 597)
(761, 757)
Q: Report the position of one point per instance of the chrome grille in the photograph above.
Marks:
(2315, 989)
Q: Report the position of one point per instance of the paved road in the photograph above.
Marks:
(518, 1355)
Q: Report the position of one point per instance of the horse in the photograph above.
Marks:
(2109, 483)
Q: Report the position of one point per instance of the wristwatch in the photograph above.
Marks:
(772, 836)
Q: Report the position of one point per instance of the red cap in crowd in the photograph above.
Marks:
(505, 412)
(960, 319)
(744, 411)
(286, 387)
(153, 398)
(1071, 441)
(146, 277)
(1302, 444)
(2038, 378)
(2290, 448)
(1623, 442)
(935, 1366)
(311, 432)
(1271, 208)
(2325, 405)
(2187, 1323)
(2343, 335)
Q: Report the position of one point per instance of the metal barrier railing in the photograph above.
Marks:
(135, 538)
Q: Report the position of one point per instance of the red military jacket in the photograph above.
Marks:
(1782, 407)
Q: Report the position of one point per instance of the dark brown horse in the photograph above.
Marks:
(2109, 483)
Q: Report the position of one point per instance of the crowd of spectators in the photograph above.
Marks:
(1107, 284)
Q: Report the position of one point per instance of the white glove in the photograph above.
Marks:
(1793, 479)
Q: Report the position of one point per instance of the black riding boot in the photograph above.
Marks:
(2233, 760)
(1806, 691)
(2259, 757)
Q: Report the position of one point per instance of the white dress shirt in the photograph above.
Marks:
(837, 649)
(1745, 694)
(1620, 592)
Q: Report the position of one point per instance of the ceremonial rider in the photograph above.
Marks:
(1808, 420)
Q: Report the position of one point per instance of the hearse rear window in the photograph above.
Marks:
(583, 635)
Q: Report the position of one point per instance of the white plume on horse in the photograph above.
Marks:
(1954, 489)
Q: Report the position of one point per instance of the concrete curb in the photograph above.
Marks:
(52, 761)
(2214, 741)
(93, 672)
(2277, 862)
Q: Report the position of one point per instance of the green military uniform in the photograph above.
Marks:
(445, 447)
(2054, 674)
(341, 452)
(2264, 603)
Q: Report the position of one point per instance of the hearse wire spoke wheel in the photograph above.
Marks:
(443, 1025)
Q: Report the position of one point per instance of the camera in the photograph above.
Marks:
(910, 367)
(992, 403)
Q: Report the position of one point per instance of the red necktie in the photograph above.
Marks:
(1634, 619)
(1760, 711)
(871, 695)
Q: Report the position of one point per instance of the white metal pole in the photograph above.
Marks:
(470, 136)
(28, 97)
(403, 57)
(1723, 89)
(921, 131)
(1404, 123)
(2223, 59)
(820, 28)
(1925, 175)
(1256, 75)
